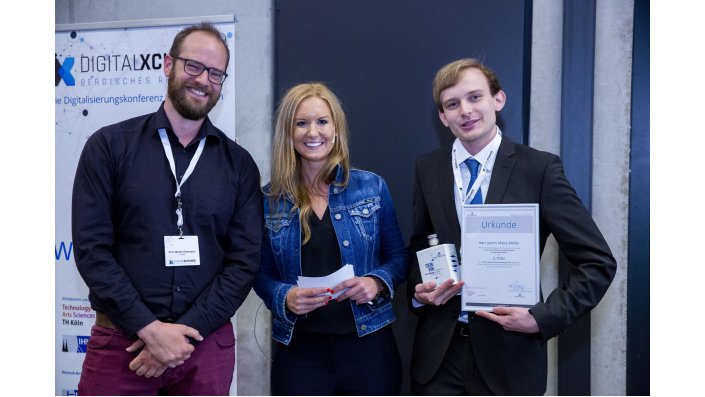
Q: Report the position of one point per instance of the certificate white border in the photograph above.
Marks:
(468, 250)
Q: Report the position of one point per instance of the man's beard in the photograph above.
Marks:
(177, 94)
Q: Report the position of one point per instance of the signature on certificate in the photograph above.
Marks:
(519, 288)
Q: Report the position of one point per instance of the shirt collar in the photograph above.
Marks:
(482, 155)
(162, 121)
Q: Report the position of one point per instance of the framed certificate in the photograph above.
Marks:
(500, 255)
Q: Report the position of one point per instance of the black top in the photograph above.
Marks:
(124, 205)
(320, 256)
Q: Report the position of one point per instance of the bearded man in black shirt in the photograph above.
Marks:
(167, 226)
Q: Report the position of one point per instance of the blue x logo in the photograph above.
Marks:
(64, 71)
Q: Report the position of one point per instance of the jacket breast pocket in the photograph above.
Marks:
(365, 216)
(277, 226)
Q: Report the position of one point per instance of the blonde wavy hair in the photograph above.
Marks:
(287, 179)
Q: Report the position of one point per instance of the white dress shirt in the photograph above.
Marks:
(486, 161)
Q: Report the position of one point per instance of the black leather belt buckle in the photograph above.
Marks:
(464, 330)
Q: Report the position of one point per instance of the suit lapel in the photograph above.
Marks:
(446, 186)
(502, 171)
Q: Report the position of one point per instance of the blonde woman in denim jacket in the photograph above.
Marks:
(320, 215)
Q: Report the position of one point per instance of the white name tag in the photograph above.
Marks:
(181, 251)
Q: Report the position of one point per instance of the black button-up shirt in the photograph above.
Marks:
(124, 205)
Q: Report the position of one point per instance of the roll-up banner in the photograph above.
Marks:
(106, 73)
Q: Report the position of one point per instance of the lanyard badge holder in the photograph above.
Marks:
(181, 250)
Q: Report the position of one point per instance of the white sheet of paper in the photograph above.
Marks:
(329, 281)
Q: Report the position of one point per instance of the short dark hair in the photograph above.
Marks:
(450, 74)
(205, 27)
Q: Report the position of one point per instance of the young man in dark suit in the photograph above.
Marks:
(502, 351)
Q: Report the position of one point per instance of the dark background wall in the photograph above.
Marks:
(638, 301)
(380, 58)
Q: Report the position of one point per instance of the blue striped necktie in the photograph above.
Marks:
(474, 166)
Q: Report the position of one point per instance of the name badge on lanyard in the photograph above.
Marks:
(181, 250)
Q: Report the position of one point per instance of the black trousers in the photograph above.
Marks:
(458, 374)
(315, 364)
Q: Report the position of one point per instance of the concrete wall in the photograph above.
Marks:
(545, 129)
(611, 135)
(610, 198)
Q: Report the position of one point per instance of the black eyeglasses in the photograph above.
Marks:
(195, 68)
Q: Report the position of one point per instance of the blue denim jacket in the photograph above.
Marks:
(369, 238)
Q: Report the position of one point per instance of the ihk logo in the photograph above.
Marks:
(74, 343)
(63, 71)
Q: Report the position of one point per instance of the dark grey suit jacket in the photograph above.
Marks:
(510, 362)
